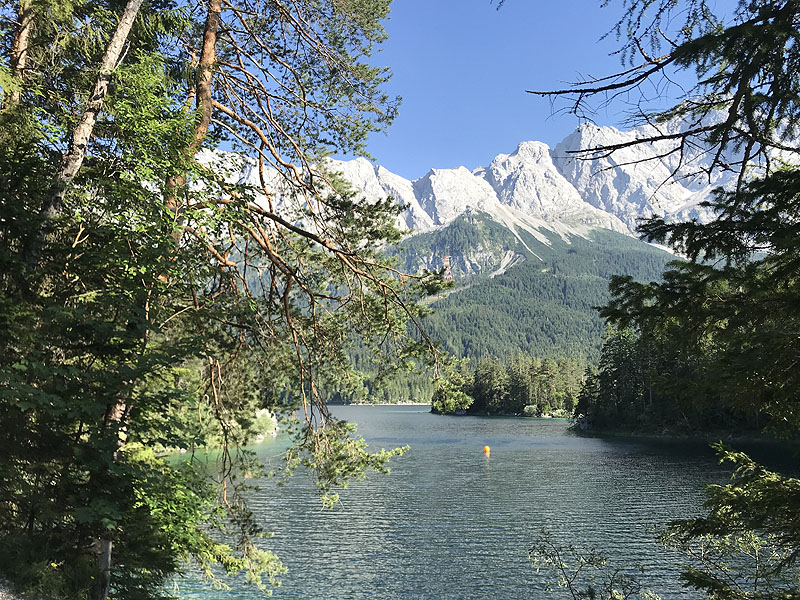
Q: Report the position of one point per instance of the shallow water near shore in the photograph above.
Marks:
(449, 523)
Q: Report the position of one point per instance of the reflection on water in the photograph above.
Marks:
(450, 523)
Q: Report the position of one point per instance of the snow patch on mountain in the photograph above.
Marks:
(640, 180)
(535, 189)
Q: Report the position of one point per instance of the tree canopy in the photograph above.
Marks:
(720, 331)
(148, 299)
(729, 314)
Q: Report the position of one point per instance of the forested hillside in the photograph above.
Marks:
(475, 242)
(513, 295)
(543, 306)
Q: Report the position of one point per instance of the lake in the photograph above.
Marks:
(450, 523)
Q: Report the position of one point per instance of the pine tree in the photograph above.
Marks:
(148, 301)
(731, 313)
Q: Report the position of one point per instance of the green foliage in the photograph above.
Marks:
(162, 306)
(719, 334)
(337, 457)
(542, 307)
(449, 395)
(718, 337)
(741, 315)
(520, 386)
(748, 544)
(526, 385)
(649, 383)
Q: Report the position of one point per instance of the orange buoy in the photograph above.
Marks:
(486, 450)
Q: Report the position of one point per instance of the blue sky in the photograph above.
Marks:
(462, 68)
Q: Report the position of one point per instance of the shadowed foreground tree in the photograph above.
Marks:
(732, 310)
(151, 299)
(732, 306)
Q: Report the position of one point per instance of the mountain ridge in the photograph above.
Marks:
(557, 187)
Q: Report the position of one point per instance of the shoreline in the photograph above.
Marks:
(728, 438)
(384, 404)
(7, 594)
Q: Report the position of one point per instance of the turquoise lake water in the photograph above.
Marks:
(450, 523)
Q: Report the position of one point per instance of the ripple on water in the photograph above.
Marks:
(448, 523)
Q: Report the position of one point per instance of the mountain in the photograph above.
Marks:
(638, 181)
(522, 191)
(566, 190)
(540, 304)
(534, 237)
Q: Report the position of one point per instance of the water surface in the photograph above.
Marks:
(450, 523)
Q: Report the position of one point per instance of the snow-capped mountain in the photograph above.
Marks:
(528, 181)
(536, 187)
(641, 180)
(525, 203)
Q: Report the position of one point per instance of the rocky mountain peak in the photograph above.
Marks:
(556, 188)
(537, 188)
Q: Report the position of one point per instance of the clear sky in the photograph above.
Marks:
(462, 68)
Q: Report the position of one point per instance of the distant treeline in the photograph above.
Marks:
(655, 384)
(394, 388)
(517, 385)
(521, 385)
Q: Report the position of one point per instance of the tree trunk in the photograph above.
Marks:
(73, 159)
(203, 100)
(116, 414)
(102, 583)
(19, 49)
(208, 58)
(115, 419)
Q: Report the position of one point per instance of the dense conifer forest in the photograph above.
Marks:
(544, 307)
